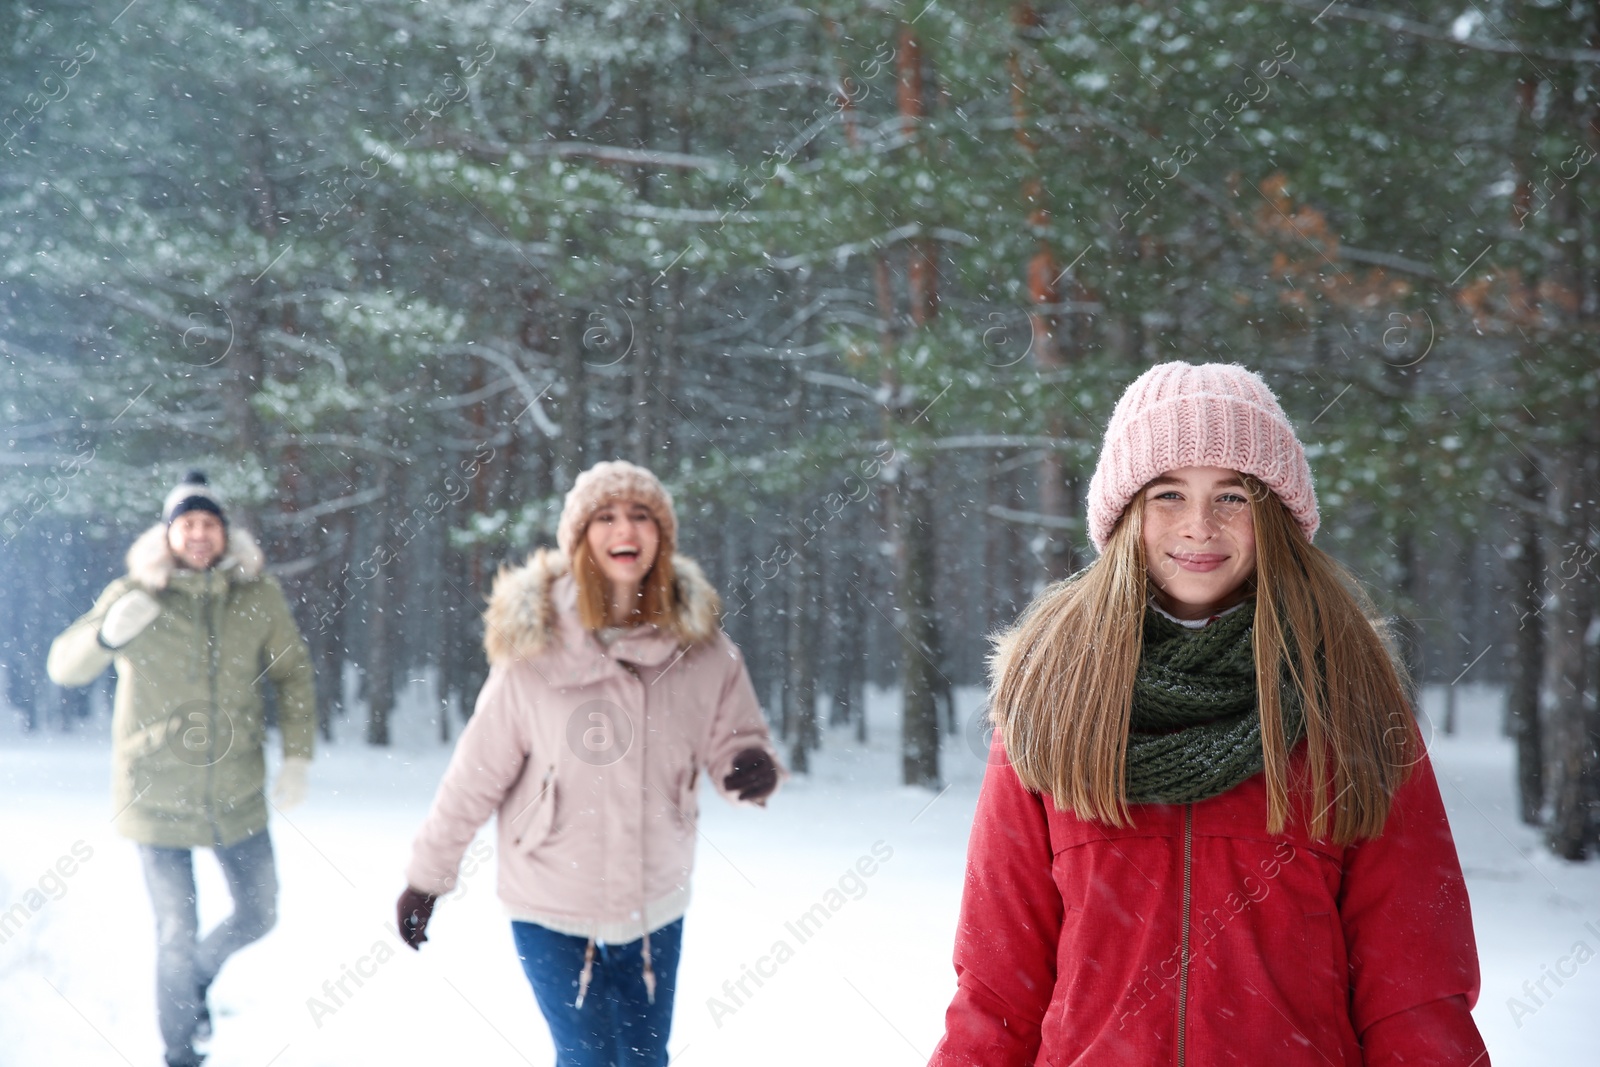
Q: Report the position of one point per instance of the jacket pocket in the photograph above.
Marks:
(1324, 975)
(677, 808)
(531, 826)
(689, 800)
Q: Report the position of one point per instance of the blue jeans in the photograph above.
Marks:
(185, 964)
(617, 1025)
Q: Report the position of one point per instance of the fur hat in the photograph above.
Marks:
(194, 493)
(614, 480)
(1213, 415)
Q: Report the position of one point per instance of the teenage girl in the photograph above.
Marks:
(1209, 833)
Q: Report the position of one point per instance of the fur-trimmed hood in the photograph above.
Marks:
(527, 608)
(151, 563)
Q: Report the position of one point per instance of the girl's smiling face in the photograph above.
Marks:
(1199, 540)
(624, 539)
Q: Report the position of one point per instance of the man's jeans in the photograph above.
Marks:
(185, 965)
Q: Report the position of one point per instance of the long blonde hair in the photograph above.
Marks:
(1063, 675)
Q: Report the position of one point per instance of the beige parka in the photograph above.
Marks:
(187, 724)
(589, 753)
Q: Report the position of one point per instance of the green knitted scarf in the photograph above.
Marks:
(1195, 732)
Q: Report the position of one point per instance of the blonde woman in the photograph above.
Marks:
(1208, 832)
(611, 688)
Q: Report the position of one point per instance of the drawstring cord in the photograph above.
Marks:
(586, 974)
(649, 972)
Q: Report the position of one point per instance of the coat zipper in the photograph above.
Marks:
(211, 732)
(642, 735)
(1188, 890)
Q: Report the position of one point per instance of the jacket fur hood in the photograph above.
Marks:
(523, 614)
(150, 562)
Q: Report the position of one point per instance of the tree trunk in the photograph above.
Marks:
(1569, 297)
(1406, 628)
(801, 681)
(1044, 339)
(572, 401)
(641, 372)
(1527, 659)
(380, 600)
(921, 681)
(1571, 651)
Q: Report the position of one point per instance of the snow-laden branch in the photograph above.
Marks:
(294, 567)
(781, 353)
(187, 324)
(1412, 28)
(344, 440)
(529, 393)
(909, 232)
(962, 442)
(52, 428)
(660, 158)
(301, 344)
(493, 389)
(1032, 518)
(1390, 260)
(327, 507)
(523, 249)
(842, 381)
(639, 209)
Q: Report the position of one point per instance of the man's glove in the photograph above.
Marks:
(414, 910)
(290, 789)
(754, 775)
(128, 617)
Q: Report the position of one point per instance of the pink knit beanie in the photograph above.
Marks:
(1213, 415)
(610, 480)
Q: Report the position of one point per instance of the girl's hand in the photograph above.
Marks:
(754, 775)
(414, 909)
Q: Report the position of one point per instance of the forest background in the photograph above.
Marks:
(861, 281)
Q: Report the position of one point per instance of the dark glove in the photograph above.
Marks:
(414, 910)
(754, 775)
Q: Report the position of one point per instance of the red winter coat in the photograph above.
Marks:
(1195, 936)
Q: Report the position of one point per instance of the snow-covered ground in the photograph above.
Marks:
(870, 986)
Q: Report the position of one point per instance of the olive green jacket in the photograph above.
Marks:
(187, 759)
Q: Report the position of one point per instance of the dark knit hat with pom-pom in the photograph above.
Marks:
(194, 493)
